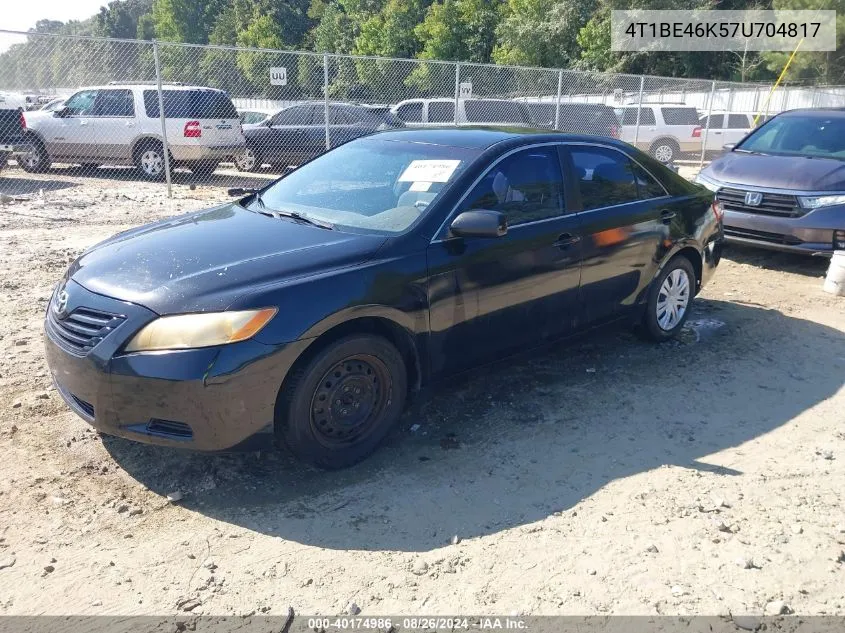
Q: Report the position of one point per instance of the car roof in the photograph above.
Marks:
(479, 137)
(814, 112)
(149, 86)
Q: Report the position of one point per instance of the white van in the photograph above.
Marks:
(441, 111)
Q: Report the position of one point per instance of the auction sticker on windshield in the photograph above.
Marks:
(429, 171)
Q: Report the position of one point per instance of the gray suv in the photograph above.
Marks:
(783, 186)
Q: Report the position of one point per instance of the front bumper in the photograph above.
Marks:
(810, 234)
(206, 399)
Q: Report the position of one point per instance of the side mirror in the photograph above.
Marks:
(728, 146)
(479, 223)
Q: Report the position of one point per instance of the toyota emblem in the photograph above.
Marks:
(60, 306)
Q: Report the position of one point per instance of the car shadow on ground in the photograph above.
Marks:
(510, 444)
(14, 185)
(807, 265)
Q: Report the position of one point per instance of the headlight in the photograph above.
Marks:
(707, 183)
(186, 331)
(814, 202)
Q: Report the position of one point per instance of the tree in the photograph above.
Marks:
(390, 33)
(541, 32)
(459, 30)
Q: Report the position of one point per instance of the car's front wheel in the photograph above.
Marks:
(669, 300)
(335, 409)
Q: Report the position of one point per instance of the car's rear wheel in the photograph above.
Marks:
(665, 151)
(248, 160)
(336, 408)
(670, 300)
(149, 159)
(36, 160)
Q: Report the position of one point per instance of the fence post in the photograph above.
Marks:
(457, 89)
(326, 98)
(557, 105)
(707, 127)
(639, 109)
(163, 121)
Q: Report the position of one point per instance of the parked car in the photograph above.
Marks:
(297, 133)
(666, 131)
(783, 186)
(578, 118)
(441, 111)
(52, 106)
(725, 128)
(119, 124)
(12, 131)
(316, 304)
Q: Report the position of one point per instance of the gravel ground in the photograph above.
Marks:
(607, 476)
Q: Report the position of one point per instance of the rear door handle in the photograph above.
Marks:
(566, 240)
(666, 216)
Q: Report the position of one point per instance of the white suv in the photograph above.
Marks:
(119, 124)
(441, 111)
(667, 130)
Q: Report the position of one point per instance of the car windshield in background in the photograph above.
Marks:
(799, 136)
(190, 104)
(370, 185)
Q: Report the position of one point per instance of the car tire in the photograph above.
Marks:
(335, 409)
(204, 168)
(664, 150)
(149, 159)
(248, 160)
(35, 161)
(674, 286)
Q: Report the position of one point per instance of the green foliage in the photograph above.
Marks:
(459, 30)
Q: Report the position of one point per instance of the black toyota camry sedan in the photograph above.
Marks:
(313, 307)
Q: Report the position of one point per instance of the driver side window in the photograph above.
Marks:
(81, 103)
(526, 186)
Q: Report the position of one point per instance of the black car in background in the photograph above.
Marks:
(576, 118)
(783, 186)
(297, 133)
(315, 306)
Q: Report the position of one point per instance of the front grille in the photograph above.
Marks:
(81, 330)
(168, 428)
(762, 236)
(774, 204)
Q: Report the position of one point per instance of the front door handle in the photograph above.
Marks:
(666, 216)
(566, 240)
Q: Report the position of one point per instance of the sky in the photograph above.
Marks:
(22, 15)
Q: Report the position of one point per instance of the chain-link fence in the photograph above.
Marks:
(222, 115)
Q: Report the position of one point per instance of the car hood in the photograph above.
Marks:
(204, 261)
(778, 172)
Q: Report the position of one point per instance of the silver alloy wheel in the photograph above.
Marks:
(246, 160)
(664, 153)
(32, 158)
(673, 299)
(152, 162)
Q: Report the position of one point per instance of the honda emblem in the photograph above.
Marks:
(753, 198)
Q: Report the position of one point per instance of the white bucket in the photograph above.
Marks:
(834, 283)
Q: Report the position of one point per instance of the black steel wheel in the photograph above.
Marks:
(334, 410)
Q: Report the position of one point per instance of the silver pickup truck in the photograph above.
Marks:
(12, 130)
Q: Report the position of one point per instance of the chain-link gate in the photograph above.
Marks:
(226, 116)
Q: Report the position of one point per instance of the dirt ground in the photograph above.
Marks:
(606, 476)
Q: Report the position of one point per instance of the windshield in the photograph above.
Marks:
(369, 185)
(799, 136)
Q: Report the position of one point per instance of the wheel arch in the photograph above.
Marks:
(662, 139)
(691, 251)
(138, 142)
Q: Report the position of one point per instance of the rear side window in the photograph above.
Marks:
(297, 115)
(647, 186)
(190, 104)
(410, 112)
(605, 177)
(738, 122)
(478, 111)
(441, 112)
(114, 103)
(680, 116)
(717, 121)
(629, 116)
